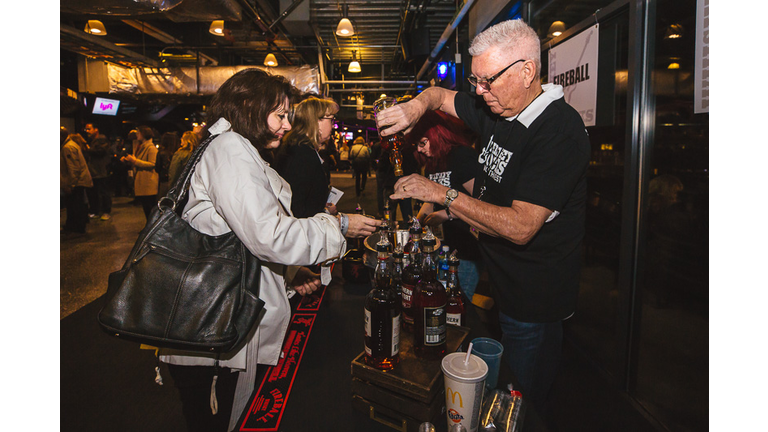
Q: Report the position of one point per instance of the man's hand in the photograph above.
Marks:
(420, 188)
(400, 118)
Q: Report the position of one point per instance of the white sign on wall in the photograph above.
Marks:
(573, 65)
(701, 68)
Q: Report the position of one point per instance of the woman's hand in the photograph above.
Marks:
(361, 226)
(306, 281)
(129, 159)
(436, 218)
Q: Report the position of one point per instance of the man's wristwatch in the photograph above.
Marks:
(450, 195)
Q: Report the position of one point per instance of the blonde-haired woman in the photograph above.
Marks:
(299, 162)
(189, 141)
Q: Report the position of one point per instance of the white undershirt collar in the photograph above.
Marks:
(551, 93)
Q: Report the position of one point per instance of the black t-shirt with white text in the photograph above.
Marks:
(461, 166)
(545, 164)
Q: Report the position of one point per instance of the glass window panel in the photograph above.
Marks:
(672, 363)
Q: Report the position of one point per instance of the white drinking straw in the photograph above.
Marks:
(469, 352)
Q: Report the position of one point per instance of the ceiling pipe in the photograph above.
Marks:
(444, 39)
(71, 31)
(350, 82)
(285, 13)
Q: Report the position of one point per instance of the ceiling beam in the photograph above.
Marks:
(96, 40)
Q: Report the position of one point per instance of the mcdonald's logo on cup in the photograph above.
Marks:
(452, 394)
(464, 385)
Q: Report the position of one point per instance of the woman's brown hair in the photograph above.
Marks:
(245, 101)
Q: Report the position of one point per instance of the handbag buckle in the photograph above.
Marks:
(160, 202)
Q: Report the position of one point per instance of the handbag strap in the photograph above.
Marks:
(179, 189)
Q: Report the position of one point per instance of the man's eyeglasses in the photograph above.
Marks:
(485, 84)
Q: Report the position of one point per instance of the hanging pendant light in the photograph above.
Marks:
(270, 60)
(556, 29)
(95, 27)
(217, 28)
(354, 66)
(345, 28)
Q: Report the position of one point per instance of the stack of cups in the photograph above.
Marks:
(465, 375)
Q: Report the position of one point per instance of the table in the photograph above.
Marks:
(328, 336)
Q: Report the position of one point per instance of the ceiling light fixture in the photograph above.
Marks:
(556, 29)
(217, 28)
(674, 31)
(354, 66)
(95, 27)
(345, 28)
(270, 60)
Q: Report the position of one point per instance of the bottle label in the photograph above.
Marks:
(396, 335)
(368, 332)
(407, 296)
(454, 319)
(434, 325)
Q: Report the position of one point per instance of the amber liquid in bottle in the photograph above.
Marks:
(456, 310)
(397, 276)
(382, 317)
(395, 155)
(429, 308)
(411, 277)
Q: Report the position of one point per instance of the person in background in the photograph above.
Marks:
(344, 164)
(360, 155)
(99, 155)
(444, 148)
(74, 178)
(189, 140)
(385, 178)
(298, 159)
(63, 134)
(234, 190)
(169, 143)
(146, 179)
(529, 199)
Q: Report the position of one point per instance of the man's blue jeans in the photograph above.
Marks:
(469, 276)
(532, 351)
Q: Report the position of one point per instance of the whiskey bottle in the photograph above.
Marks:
(456, 311)
(411, 273)
(382, 316)
(429, 304)
(414, 235)
(397, 275)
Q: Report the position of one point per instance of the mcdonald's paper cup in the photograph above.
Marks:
(464, 385)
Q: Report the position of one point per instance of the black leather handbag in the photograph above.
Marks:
(181, 288)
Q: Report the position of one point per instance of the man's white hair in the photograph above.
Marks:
(513, 36)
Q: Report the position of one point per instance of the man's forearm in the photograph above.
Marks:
(517, 223)
(437, 98)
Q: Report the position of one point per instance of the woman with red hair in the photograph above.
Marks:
(444, 148)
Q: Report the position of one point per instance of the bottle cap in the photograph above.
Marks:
(429, 239)
(453, 258)
(383, 244)
(415, 226)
